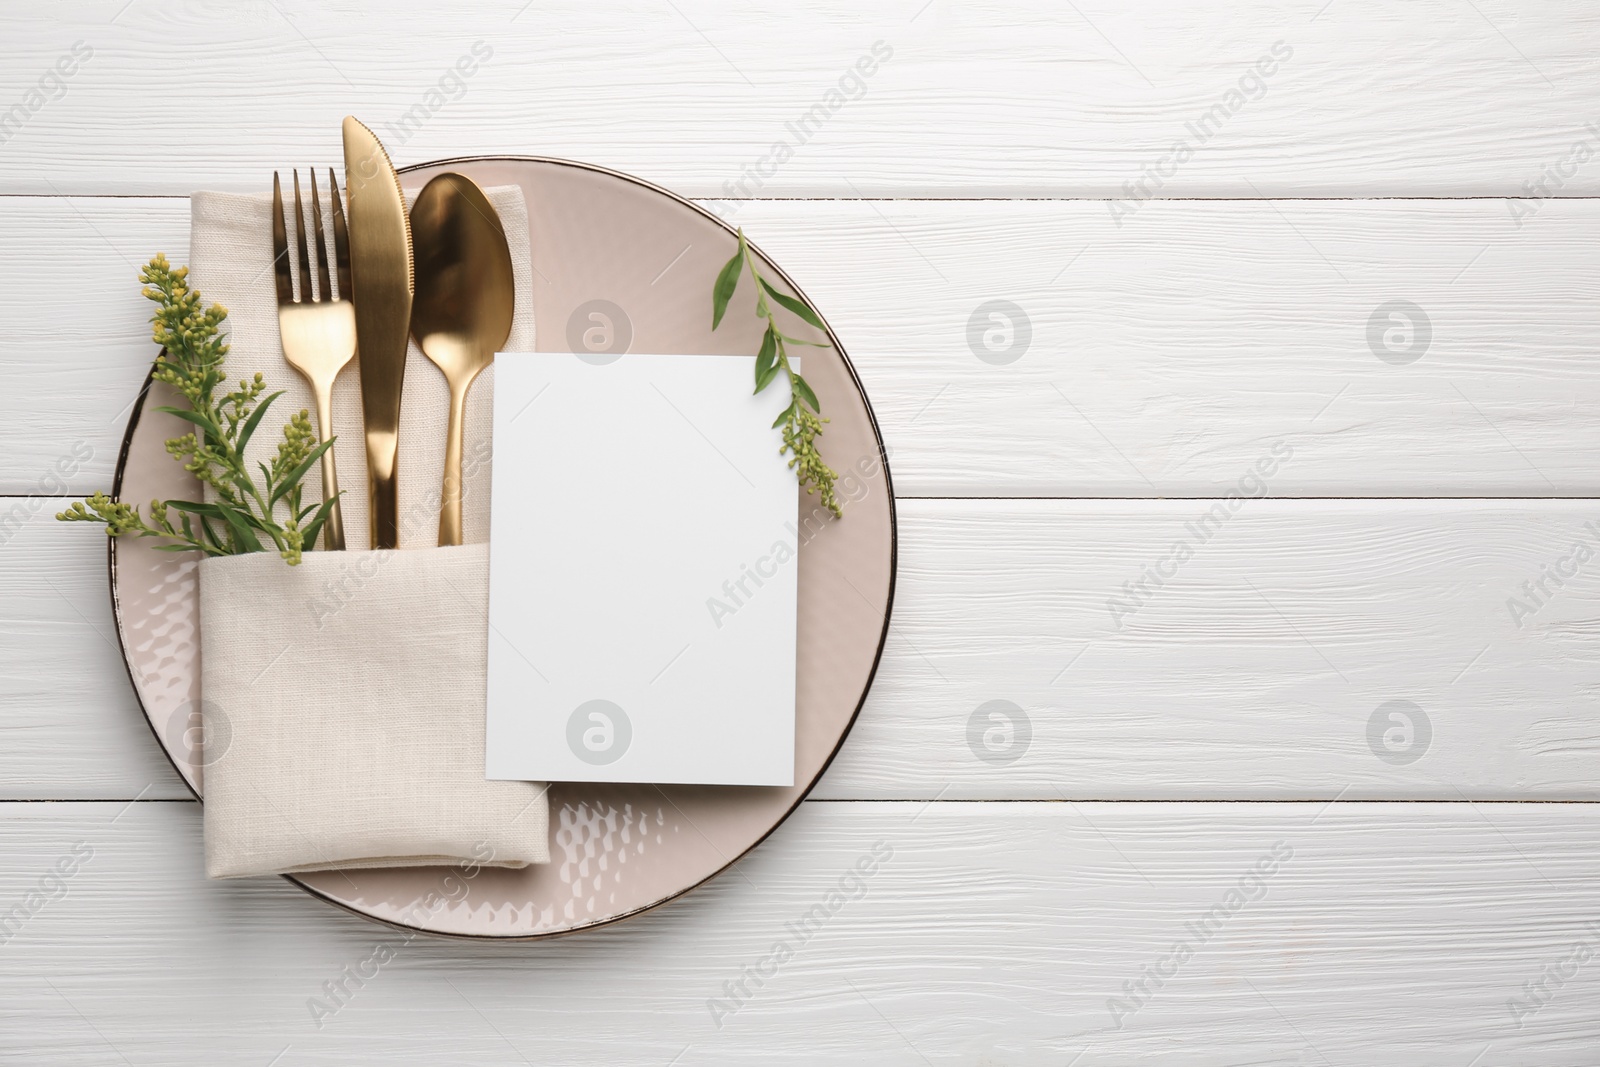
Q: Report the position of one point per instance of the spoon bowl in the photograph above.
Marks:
(461, 313)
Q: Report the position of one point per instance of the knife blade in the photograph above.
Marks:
(382, 283)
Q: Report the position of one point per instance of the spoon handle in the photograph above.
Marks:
(450, 503)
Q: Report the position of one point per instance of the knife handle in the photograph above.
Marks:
(383, 492)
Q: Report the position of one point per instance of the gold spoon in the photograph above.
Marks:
(461, 314)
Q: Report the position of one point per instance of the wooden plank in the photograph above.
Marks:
(1259, 654)
(1166, 357)
(77, 346)
(984, 933)
(1256, 670)
(70, 725)
(1431, 97)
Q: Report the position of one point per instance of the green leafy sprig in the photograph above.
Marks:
(244, 517)
(802, 420)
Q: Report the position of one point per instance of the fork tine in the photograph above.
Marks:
(300, 242)
(280, 246)
(341, 238)
(324, 288)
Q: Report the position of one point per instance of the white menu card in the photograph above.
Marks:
(642, 572)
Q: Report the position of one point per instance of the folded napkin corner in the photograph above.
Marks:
(344, 714)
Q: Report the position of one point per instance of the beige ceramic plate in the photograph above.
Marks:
(642, 259)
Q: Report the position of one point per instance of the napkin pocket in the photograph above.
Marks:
(343, 702)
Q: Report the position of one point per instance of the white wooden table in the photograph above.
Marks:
(1204, 213)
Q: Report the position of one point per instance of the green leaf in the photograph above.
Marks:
(802, 341)
(255, 523)
(314, 528)
(242, 482)
(727, 282)
(213, 431)
(316, 505)
(241, 529)
(783, 416)
(793, 305)
(766, 359)
(292, 479)
(766, 377)
(803, 391)
(254, 420)
(210, 511)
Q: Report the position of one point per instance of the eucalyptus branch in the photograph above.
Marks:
(244, 513)
(802, 420)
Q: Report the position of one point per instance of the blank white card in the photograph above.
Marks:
(642, 572)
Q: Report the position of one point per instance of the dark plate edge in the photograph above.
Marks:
(111, 571)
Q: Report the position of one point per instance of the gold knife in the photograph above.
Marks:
(382, 281)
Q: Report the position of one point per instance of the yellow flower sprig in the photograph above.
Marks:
(244, 516)
(802, 420)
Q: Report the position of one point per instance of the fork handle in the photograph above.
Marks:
(333, 528)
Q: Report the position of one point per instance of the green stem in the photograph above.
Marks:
(765, 311)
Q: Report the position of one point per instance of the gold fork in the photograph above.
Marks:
(318, 327)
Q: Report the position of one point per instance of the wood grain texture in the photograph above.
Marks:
(1253, 670)
(1167, 356)
(76, 346)
(1252, 673)
(985, 933)
(70, 725)
(1170, 354)
(1432, 97)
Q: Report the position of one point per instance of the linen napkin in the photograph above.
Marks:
(343, 705)
(344, 698)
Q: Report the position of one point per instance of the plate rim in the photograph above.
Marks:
(872, 673)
